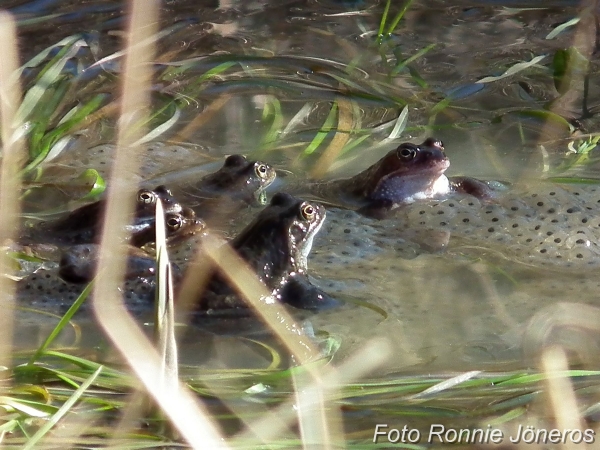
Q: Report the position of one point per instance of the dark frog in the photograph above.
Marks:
(405, 175)
(78, 262)
(276, 246)
(239, 181)
(84, 224)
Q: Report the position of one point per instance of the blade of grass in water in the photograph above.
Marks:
(383, 21)
(48, 77)
(96, 182)
(513, 69)
(64, 321)
(326, 128)
(162, 128)
(298, 119)
(398, 17)
(335, 147)
(33, 441)
(401, 65)
(271, 112)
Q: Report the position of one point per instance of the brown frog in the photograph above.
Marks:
(405, 175)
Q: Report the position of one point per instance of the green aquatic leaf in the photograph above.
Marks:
(27, 407)
(44, 145)
(570, 180)
(41, 56)
(272, 113)
(546, 116)
(383, 20)
(299, 118)
(534, 378)
(563, 26)
(513, 69)
(326, 128)
(92, 178)
(568, 66)
(47, 78)
(402, 64)
(162, 128)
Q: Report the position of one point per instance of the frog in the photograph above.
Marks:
(276, 245)
(78, 262)
(239, 182)
(405, 175)
(83, 225)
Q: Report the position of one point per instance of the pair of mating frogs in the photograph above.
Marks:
(407, 186)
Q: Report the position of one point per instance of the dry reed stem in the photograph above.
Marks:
(202, 118)
(13, 158)
(181, 406)
(275, 315)
(560, 391)
(280, 321)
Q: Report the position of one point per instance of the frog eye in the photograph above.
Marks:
(146, 197)
(308, 211)
(174, 223)
(261, 170)
(433, 142)
(406, 153)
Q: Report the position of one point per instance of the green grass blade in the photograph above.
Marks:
(401, 65)
(272, 111)
(298, 119)
(162, 128)
(398, 17)
(31, 443)
(95, 180)
(62, 323)
(35, 93)
(325, 130)
(383, 21)
(37, 59)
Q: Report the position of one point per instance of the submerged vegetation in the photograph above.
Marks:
(320, 115)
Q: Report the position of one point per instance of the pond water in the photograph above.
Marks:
(274, 80)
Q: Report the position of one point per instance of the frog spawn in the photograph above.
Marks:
(548, 225)
(46, 290)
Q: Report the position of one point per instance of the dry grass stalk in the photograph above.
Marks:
(560, 391)
(13, 158)
(185, 413)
